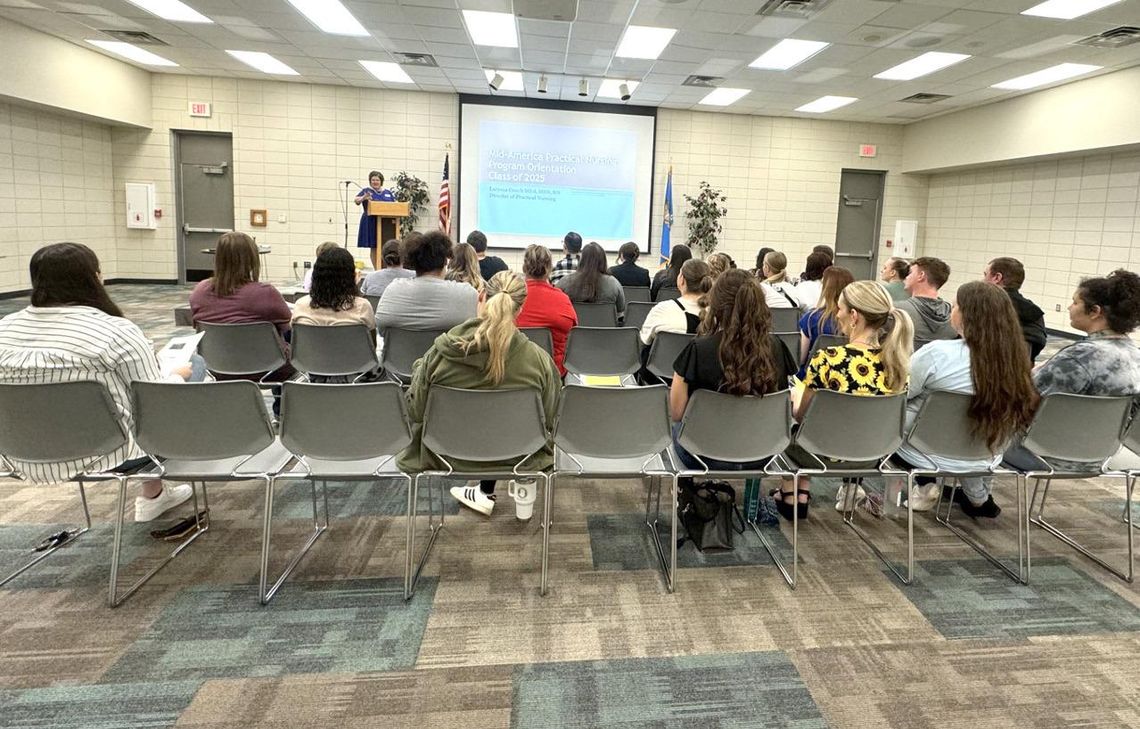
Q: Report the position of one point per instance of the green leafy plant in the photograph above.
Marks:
(414, 191)
(703, 216)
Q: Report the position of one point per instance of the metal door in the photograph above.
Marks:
(205, 198)
(857, 226)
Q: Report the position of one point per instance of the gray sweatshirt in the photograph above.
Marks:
(931, 319)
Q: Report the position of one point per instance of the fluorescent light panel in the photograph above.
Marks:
(826, 103)
(330, 16)
(387, 71)
(512, 80)
(1067, 9)
(609, 88)
(263, 62)
(172, 10)
(925, 64)
(491, 29)
(1046, 76)
(724, 97)
(788, 53)
(133, 52)
(642, 41)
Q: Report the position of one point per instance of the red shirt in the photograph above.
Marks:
(547, 306)
(253, 302)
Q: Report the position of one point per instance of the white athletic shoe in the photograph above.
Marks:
(923, 498)
(170, 496)
(473, 498)
(847, 498)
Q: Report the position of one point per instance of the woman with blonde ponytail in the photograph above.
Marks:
(484, 353)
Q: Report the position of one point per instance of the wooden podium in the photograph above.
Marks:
(388, 215)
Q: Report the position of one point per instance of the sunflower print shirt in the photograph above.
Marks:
(847, 369)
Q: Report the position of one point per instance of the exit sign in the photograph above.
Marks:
(199, 108)
(868, 150)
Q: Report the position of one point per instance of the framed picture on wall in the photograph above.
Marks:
(258, 218)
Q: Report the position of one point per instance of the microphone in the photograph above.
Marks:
(348, 182)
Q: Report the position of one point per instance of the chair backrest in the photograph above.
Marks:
(596, 314)
(202, 421)
(1131, 439)
(602, 351)
(942, 428)
(637, 293)
(849, 427)
(58, 421)
(402, 347)
(663, 353)
(668, 292)
(344, 422)
(613, 422)
(785, 320)
(636, 312)
(373, 300)
(241, 349)
(332, 350)
(519, 427)
(1078, 427)
(791, 340)
(540, 336)
(823, 341)
(735, 428)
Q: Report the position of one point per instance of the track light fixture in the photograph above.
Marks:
(496, 81)
(623, 90)
(541, 84)
(584, 87)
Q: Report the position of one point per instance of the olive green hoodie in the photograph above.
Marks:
(448, 364)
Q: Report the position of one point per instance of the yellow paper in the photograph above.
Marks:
(602, 380)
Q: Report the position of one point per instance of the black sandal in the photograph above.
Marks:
(785, 509)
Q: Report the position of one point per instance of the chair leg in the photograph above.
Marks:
(668, 564)
(412, 577)
(789, 577)
(849, 510)
(64, 538)
(547, 515)
(1039, 520)
(1022, 573)
(265, 595)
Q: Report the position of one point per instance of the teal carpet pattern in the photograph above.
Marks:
(149, 705)
(623, 542)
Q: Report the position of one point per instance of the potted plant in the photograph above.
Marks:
(414, 191)
(703, 217)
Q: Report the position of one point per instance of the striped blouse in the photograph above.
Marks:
(68, 343)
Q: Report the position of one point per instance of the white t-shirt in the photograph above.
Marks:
(666, 316)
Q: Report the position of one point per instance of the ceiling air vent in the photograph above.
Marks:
(792, 8)
(416, 59)
(563, 11)
(706, 82)
(924, 98)
(137, 37)
(1125, 35)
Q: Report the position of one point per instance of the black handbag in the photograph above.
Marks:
(705, 510)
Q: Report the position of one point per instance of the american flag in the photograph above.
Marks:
(445, 199)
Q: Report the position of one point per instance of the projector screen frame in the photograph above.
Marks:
(555, 105)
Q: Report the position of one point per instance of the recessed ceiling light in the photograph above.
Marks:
(642, 41)
(1046, 76)
(1067, 9)
(512, 80)
(491, 29)
(133, 52)
(172, 10)
(788, 53)
(826, 103)
(724, 97)
(925, 64)
(263, 62)
(610, 88)
(330, 16)
(387, 71)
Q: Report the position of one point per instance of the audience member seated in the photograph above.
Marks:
(427, 301)
(719, 262)
(683, 314)
(591, 283)
(487, 352)
(1106, 363)
(1009, 274)
(73, 331)
(546, 305)
(307, 281)
(572, 247)
(779, 293)
(488, 265)
(627, 272)
(989, 363)
(234, 295)
(823, 319)
(930, 314)
(667, 277)
(392, 261)
(810, 286)
(875, 361)
(334, 298)
(464, 267)
(758, 272)
(893, 275)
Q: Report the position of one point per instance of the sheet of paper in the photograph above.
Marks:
(177, 352)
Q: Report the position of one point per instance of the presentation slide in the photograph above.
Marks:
(530, 175)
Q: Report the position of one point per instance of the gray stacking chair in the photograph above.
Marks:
(447, 434)
(637, 293)
(790, 340)
(828, 432)
(663, 353)
(231, 438)
(636, 313)
(665, 293)
(602, 351)
(942, 428)
(540, 336)
(241, 350)
(741, 430)
(60, 421)
(630, 441)
(364, 450)
(785, 320)
(333, 351)
(596, 314)
(402, 347)
(373, 300)
(823, 341)
(1079, 428)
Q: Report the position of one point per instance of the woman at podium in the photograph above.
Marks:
(366, 235)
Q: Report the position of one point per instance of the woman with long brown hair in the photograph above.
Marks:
(592, 282)
(989, 362)
(464, 266)
(234, 294)
(824, 317)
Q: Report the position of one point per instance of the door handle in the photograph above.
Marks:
(853, 202)
(868, 255)
(187, 230)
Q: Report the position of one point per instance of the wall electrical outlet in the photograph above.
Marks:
(1058, 307)
(308, 264)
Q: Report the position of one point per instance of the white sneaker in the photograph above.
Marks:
(473, 498)
(847, 498)
(923, 498)
(170, 496)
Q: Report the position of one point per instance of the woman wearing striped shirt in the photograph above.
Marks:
(73, 331)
